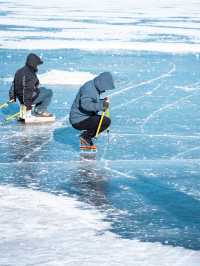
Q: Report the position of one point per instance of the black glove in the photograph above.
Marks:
(105, 104)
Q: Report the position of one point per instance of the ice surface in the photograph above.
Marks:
(140, 195)
(53, 230)
(167, 26)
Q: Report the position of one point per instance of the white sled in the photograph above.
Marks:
(31, 119)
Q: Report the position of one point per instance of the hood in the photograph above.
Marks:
(33, 61)
(104, 82)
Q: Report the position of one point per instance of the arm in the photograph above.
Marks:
(12, 95)
(28, 88)
(89, 102)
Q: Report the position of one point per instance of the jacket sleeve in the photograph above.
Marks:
(89, 103)
(28, 88)
(12, 94)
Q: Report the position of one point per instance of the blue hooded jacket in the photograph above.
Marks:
(87, 102)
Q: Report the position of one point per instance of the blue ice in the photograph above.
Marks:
(144, 178)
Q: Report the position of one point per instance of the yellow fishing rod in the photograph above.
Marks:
(4, 105)
(101, 119)
(100, 123)
(10, 118)
(108, 130)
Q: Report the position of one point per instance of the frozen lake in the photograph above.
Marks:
(138, 203)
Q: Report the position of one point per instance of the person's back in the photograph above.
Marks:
(26, 88)
(78, 111)
(26, 85)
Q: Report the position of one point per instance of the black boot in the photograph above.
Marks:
(85, 139)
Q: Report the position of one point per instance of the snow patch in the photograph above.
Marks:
(58, 230)
(61, 77)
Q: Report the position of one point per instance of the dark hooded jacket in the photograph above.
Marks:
(25, 84)
(87, 102)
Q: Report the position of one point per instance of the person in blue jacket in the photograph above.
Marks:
(87, 104)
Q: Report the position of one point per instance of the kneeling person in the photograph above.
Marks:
(84, 111)
(25, 88)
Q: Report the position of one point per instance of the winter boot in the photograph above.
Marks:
(42, 114)
(85, 139)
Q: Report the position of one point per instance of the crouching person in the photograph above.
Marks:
(26, 89)
(84, 111)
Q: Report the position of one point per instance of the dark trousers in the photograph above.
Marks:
(91, 124)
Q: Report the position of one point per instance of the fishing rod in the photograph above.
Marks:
(107, 113)
(4, 105)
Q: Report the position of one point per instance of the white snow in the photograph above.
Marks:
(103, 45)
(37, 228)
(59, 77)
(104, 25)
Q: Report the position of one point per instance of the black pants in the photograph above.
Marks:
(91, 124)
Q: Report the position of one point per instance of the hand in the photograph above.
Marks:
(12, 100)
(105, 103)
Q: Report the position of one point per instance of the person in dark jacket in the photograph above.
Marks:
(25, 88)
(84, 111)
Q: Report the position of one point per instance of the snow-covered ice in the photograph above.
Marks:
(41, 229)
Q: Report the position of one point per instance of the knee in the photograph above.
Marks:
(76, 126)
(49, 92)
